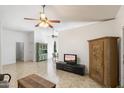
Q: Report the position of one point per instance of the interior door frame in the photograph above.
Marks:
(122, 58)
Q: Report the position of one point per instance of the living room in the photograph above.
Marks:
(72, 35)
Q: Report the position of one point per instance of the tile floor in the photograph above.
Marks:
(47, 69)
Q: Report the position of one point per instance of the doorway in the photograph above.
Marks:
(19, 51)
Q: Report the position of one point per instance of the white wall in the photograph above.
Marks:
(30, 36)
(44, 36)
(75, 40)
(120, 26)
(9, 45)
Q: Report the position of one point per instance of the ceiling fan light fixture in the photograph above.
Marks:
(42, 15)
(43, 24)
(46, 25)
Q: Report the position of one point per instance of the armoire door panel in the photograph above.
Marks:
(97, 66)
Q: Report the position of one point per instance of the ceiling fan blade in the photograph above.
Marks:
(49, 24)
(31, 19)
(37, 25)
(54, 21)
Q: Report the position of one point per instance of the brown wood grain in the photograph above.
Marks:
(35, 81)
(104, 61)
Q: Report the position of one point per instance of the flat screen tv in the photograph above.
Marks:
(70, 58)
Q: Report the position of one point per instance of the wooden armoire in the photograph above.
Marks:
(104, 61)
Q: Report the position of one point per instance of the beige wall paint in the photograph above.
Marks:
(75, 40)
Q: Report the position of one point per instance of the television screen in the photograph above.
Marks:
(70, 58)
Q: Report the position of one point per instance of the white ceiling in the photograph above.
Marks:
(70, 16)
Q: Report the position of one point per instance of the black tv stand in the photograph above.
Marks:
(74, 68)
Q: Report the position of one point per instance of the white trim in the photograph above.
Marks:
(1, 48)
(122, 57)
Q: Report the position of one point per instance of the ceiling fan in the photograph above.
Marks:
(43, 20)
(54, 34)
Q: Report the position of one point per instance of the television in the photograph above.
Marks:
(70, 58)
